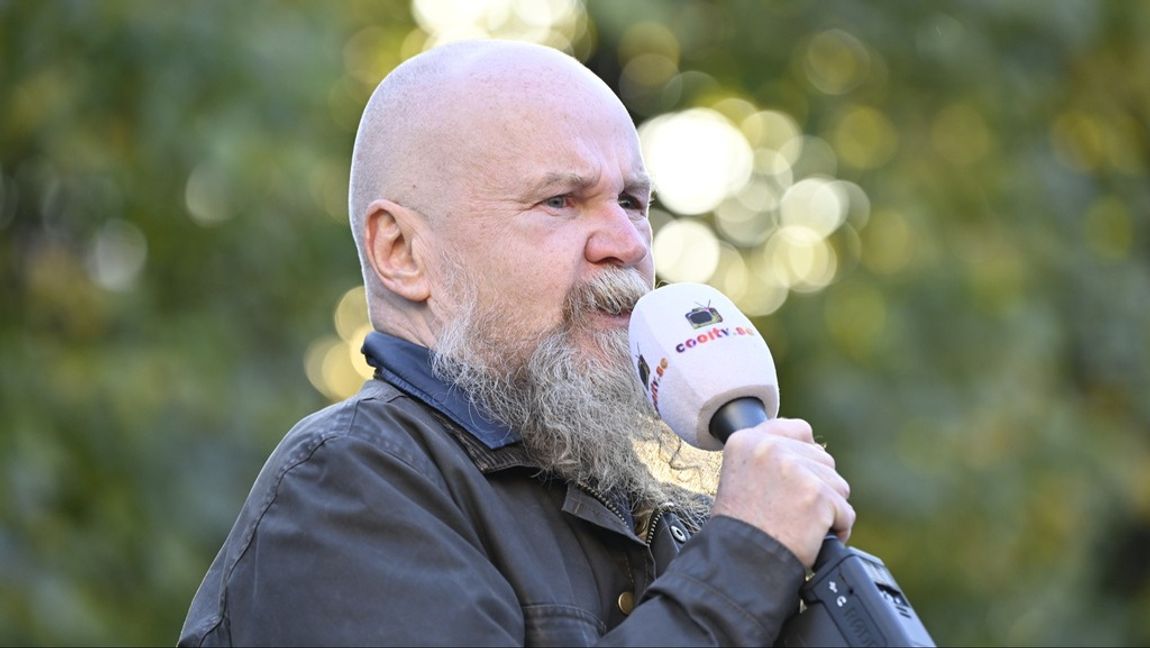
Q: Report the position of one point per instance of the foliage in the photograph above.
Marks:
(173, 241)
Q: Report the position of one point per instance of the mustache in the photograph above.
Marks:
(613, 291)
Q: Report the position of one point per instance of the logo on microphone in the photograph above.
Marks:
(704, 316)
(645, 374)
(701, 316)
(644, 370)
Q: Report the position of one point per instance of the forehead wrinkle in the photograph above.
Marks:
(639, 183)
(565, 180)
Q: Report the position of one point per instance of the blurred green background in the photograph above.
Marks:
(937, 213)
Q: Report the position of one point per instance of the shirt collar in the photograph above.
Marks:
(408, 366)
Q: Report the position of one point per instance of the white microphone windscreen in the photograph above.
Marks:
(695, 351)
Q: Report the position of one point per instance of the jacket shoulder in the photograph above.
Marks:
(380, 416)
(378, 424)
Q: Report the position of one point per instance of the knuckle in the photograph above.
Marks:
(802, 430)
(743, 441)
(810, 489)
(788, 462)
(792, 428)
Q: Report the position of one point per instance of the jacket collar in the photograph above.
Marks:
(489, 443)
(408, 366)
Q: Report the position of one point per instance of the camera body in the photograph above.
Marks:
(852, 600)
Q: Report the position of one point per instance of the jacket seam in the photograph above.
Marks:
(560, 610)
(720, 595)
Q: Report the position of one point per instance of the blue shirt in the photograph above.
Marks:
(408, 366)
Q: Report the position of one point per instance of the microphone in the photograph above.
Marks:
(708, 373)
(703, 364)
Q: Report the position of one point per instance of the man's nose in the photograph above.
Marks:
(617, 238)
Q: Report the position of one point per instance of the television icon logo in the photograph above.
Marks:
(703, 316)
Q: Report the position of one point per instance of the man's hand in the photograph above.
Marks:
(775, 477)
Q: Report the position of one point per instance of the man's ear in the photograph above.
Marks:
(390, 244)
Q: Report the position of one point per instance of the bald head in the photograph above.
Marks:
(461, 132)
(417, 133)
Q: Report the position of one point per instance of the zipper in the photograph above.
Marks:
(656, 517)
(605, 501)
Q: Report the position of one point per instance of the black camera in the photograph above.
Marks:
(852, 599)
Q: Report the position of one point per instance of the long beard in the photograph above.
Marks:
(580, 411)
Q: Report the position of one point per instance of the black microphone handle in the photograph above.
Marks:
(748, 411)
(738, 414)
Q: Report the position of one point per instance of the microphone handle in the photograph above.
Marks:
(739, 414)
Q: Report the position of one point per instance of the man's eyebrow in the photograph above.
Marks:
(564, 180)
(639, 184)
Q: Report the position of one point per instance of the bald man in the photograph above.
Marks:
(484, 488)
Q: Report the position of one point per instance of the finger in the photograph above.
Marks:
(796, 429)
(844, 520)
(811, 451)
(828, 476)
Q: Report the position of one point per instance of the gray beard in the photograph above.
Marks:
(582, 415)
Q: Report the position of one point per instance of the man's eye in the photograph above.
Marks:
(630, 202)
(558, 202)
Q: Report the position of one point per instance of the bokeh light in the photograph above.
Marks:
(334, 363)
(799, 258)
(696, 159)
(748, 222)
(649, 57)
(686, 250)
(117, 255)
(732, 276)
(815, 157)
(818, 204)
(864, 138)
(835, 62)
(649, 38)
(557, 23)
(773, 130)
(329, 370)
(776, 213)
(206, 195)
(764, 294)
(350, 313)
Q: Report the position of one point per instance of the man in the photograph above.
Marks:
(484, 488)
